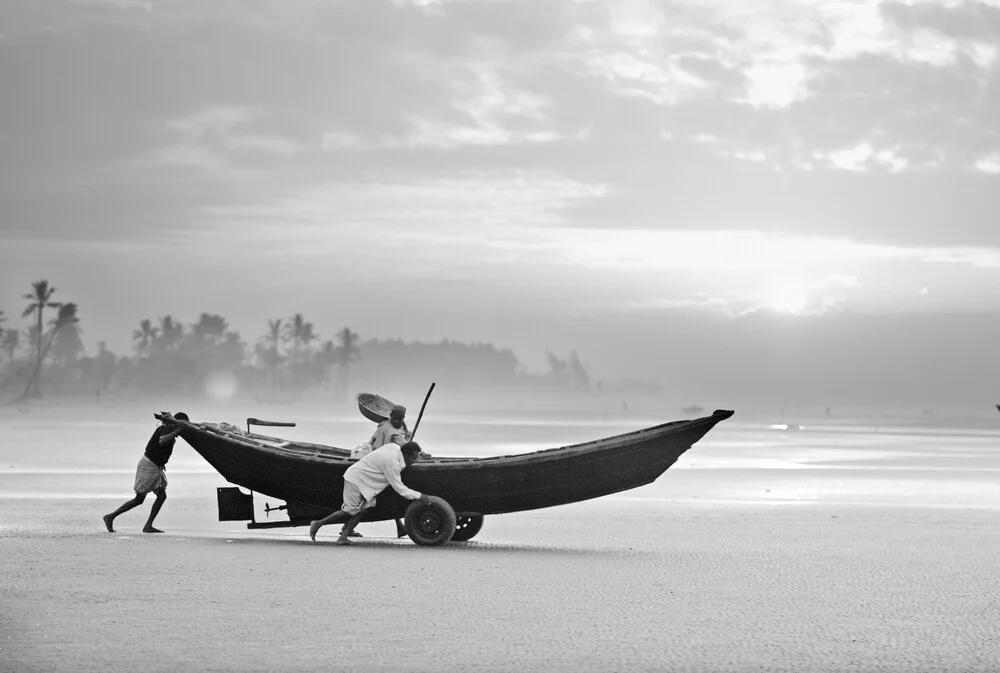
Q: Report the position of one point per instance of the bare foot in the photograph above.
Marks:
(150, 529)
(108, 519)
(343, 541)
(313, 529)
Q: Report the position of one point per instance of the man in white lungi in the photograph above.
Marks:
(368, 477)
(393, 430)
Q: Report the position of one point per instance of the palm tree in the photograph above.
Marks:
(308, 336)
(298, 331)
(66, 316)
(267, 351)
(171, 333)
(145, 335)
(233, 349)
(558, 368)
(273, 335)
(327, 354)
(11, 342)
(68, 345)
(210, 326)
(40, 298)
(31, 335)
(266, 356)
(347, 353)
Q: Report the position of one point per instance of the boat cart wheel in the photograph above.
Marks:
(467, 527)
(432, 524)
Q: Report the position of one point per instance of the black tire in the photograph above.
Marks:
(467, 527)
(432, 524)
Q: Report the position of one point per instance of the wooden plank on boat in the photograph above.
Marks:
(272, 444)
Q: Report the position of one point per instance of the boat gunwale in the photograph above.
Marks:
(321, 453)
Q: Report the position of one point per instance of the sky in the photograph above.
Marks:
(793, 199)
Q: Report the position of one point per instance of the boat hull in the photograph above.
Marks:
(312, 474)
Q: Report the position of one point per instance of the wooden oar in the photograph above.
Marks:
(421, 414)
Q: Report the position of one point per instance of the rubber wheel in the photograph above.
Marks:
(467, 527)
(432, 524)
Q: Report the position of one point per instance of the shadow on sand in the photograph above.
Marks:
(400, 546)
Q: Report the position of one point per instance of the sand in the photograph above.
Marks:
(826, 551)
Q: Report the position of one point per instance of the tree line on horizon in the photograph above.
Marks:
(289, 357)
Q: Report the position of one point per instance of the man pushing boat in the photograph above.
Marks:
(150, 475)
(392, 430)
(368, 477)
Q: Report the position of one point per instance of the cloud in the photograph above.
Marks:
(963, 20)
(268, 144)
(782, 295)
(209, 120)
(144, 5)
(839, 119)
(989, 163)
(427, 208)
(214, 139)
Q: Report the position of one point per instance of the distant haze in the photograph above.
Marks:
(788, 201)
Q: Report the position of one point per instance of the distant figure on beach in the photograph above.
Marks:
(150, 476)
(390, 431)
(368, 477)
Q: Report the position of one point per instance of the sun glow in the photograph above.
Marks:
(788, 297)
(220, 386)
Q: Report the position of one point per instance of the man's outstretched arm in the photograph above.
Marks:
(393, 476)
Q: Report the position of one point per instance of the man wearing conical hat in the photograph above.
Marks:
(393, 430)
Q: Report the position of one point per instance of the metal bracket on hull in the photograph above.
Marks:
(234, 504)
(278, 524)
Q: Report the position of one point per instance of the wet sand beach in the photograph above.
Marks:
(828, 550)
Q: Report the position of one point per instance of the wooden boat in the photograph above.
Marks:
(309, 477)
